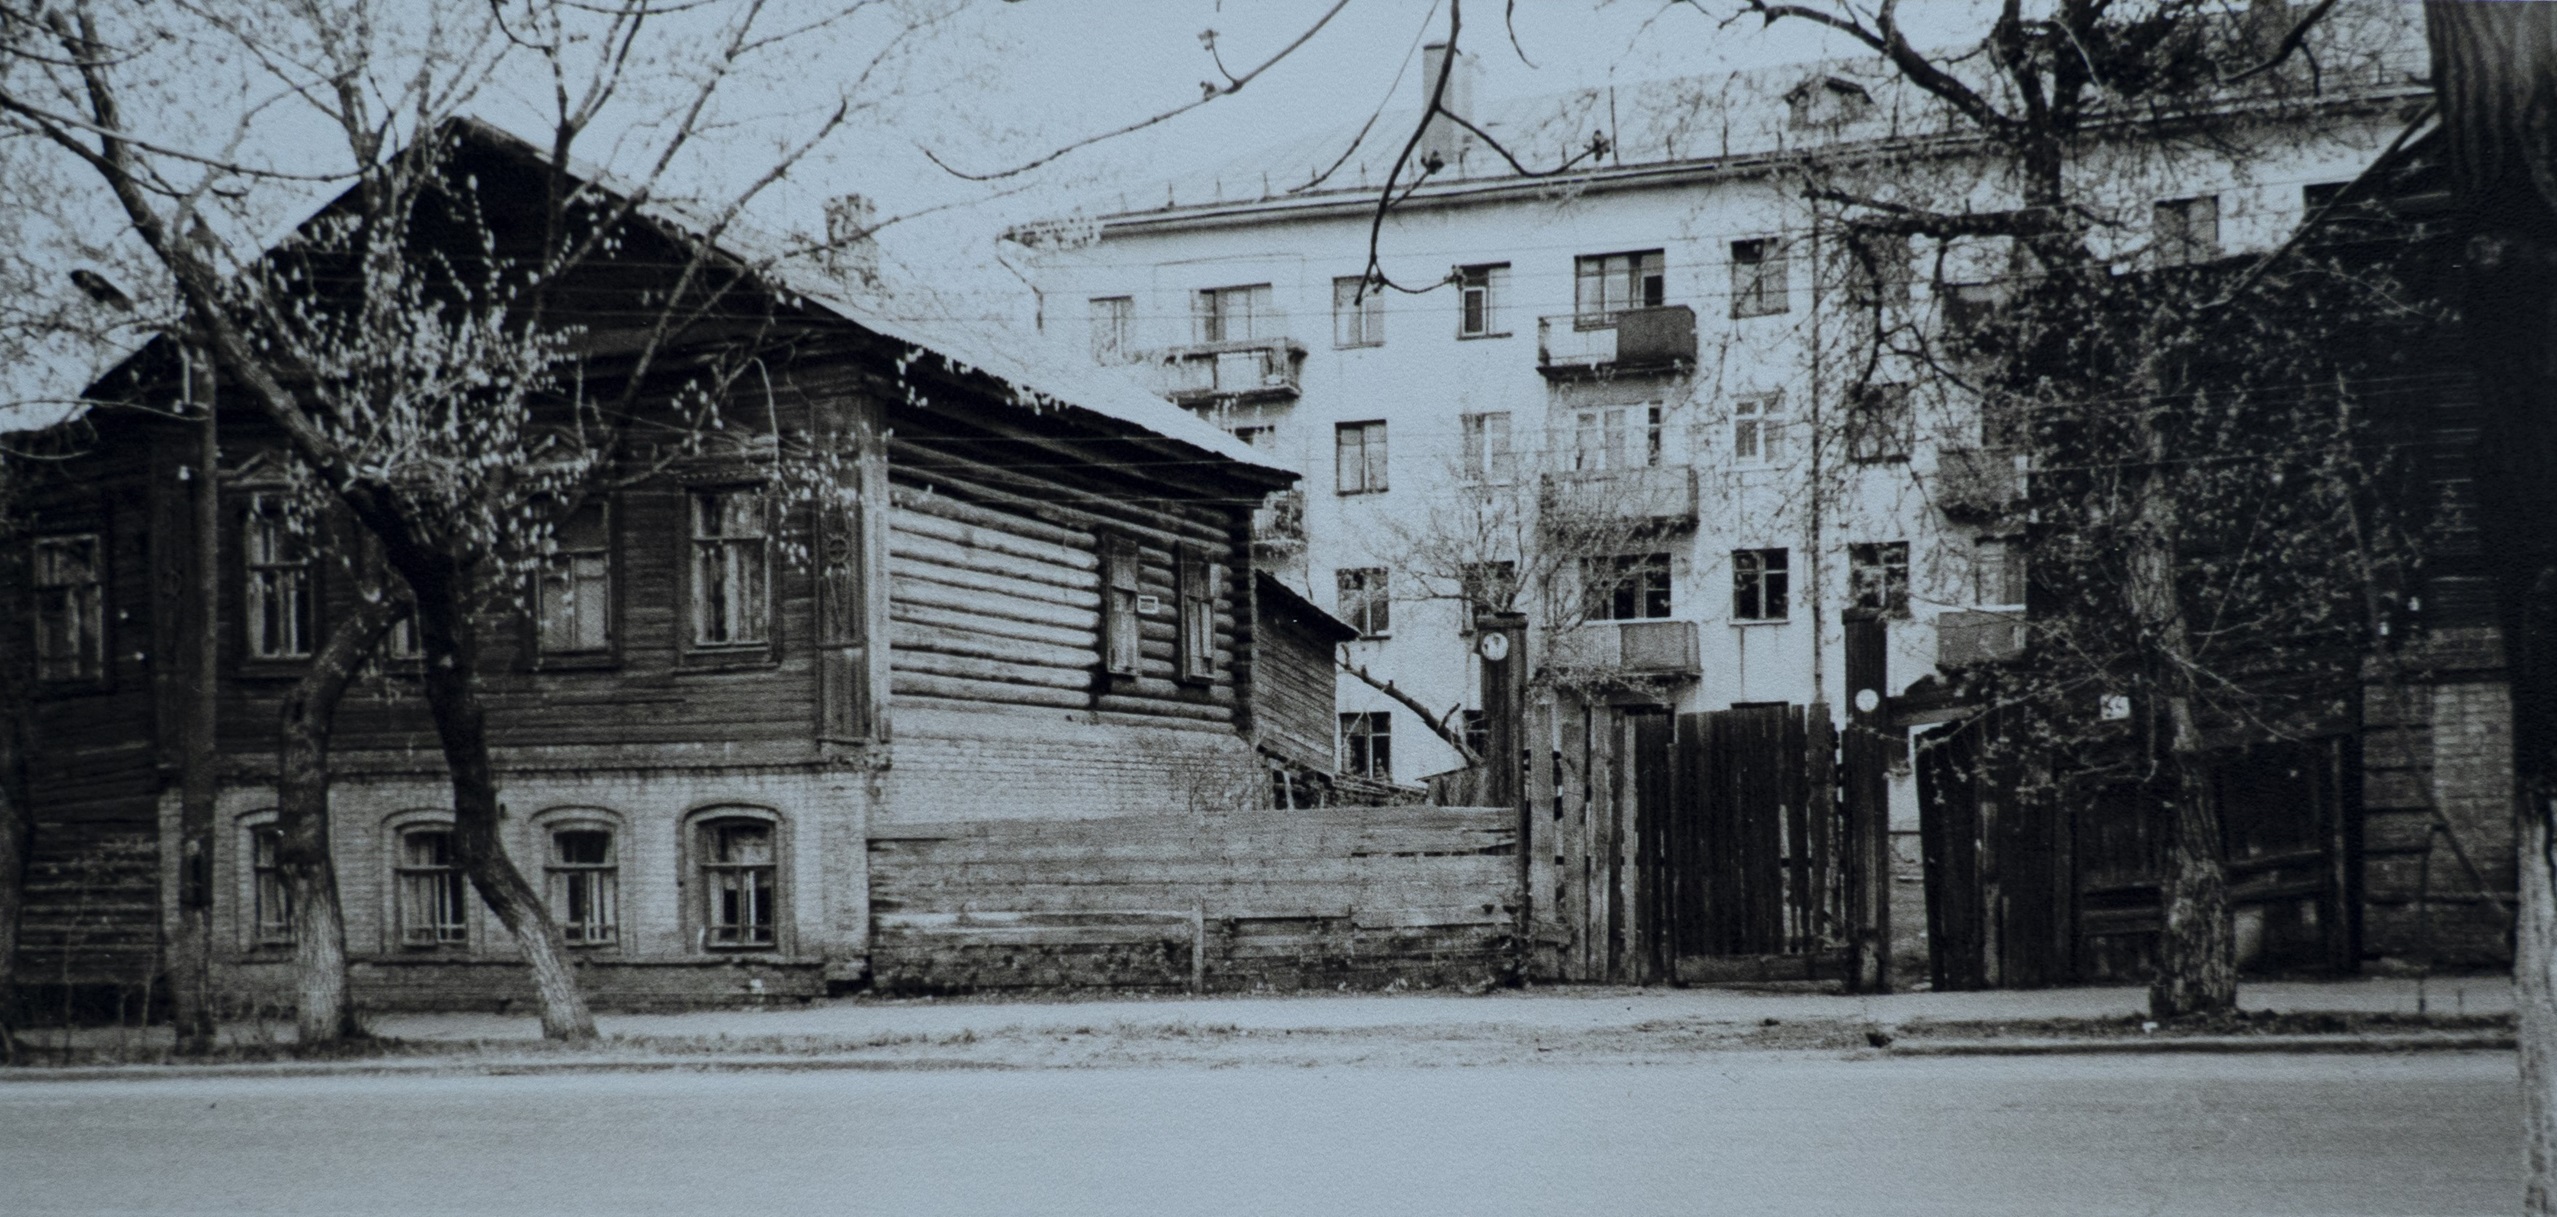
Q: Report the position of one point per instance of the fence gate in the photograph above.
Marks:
(1698, 847)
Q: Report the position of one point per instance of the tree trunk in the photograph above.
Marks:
(2535, 982)
(325, 1012)
(461, 724)
(2196, 955)
(2495, 66)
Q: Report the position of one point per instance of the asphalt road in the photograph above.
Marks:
(1742, 1132)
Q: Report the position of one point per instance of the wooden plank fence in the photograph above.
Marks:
(1314, 897)
(1700, 847)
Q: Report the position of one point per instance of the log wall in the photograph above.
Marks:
(1363, 896)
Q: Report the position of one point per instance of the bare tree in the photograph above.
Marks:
(1559, 528)
(2178, 577)
(427, 389)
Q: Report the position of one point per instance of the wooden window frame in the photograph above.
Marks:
(1371, 470)
(1479, 287)
(1614, 448)
(1640, 275)
(1627, 587)
(1757, 430)
(702, 916)
(1878, 577)
(1122, 585)
(608, 549)
(439, 934)
(1113, 329)
(1361, 732)
(300, 573)
(263, 882)
(1761, 282)
(1358, 313)
(1762, 585)
(1213, 315)
(83, 614)
(1371, 613)
(562, 879)
(1196, 581)
(1490, 455)
(755, 653)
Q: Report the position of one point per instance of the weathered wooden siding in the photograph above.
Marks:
(1294, 681)
(994, 541)
(95, 763)
(1357, 895)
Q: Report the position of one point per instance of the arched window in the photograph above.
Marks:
(430, 899)
(736, 858)
(581, 875)
(266, 901)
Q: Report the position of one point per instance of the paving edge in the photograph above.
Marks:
(453, 1067)
(2500, 1041)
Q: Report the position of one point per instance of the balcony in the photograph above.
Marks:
(1234, 371)
(1980, 484)
(1648, 648)
(1966, 638)
(1658, 494)
(1641, 341)
(1278, 532)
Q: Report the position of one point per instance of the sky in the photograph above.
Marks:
(995, 84)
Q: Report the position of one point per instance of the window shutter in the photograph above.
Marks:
(1196, 578)
(1119, 641)
(843, 684)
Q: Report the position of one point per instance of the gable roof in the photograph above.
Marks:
(1292, 606)
(1100, 393)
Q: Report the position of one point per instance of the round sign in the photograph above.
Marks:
(1868, 701)
(1494, 646)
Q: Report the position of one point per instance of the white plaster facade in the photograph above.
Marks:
(1696, 166)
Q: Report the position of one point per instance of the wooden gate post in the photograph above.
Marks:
(1500, 640)
(1868, 799)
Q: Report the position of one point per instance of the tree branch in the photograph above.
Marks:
(1437, 724)
(1208, 92)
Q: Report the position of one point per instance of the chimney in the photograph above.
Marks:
(851, 251)
(1442, 140)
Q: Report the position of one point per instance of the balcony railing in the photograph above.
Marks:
(1966, 638)
(1664, 494)
(1652, 648)
(1278, 531)
(1640, 340)
(1979, 483)
(1239, 370)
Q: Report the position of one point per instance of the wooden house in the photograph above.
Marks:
(1042, 601)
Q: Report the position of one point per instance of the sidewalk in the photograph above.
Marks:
(1542, 1025)
(1552, 1008)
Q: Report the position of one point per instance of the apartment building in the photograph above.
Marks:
(1660, 341)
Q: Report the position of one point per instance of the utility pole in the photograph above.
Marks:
(1500, 641)
(191, 945)
(1868, 792)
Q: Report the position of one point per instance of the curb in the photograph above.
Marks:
(722, 1063)
(2213, 1045)
(782, 1062)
